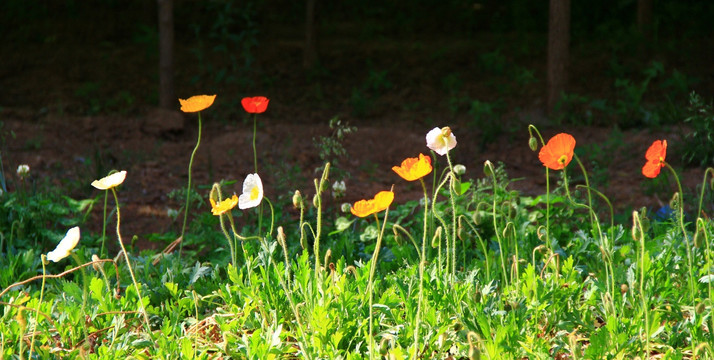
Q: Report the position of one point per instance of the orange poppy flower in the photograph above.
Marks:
(655, 158)
(197, 103)
(255, 105)
(380, 202)
(558, 152)
(414, 168)
(223, 206)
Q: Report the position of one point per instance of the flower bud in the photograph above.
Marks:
(459, 169)
(345, 207)
(533, 143)
(316, 201)
(624, 289)
(95, 258)
(281, 236)
(488, 168)
(446, 131)
(297, 199)
(436, 240)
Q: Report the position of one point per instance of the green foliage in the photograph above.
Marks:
(698, 147)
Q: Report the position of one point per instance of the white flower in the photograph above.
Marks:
(23, 170)
(66, 245)
(110, 181)
(338, 189)
(252, 192)
(441, 140)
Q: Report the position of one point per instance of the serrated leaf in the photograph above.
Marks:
(197, 272)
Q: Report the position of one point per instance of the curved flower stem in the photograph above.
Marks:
(607, 246)
(531, 129)
(422, 263)
(701, 225)
(128, 265)
(704, 182)
(370, 283)
(39, 303)
(272, 215)
(489, 165)
(680, 205)
(216, 191)
(452, 196)
(188, 187)
(593, 217)
(443, 223)
(483, 246)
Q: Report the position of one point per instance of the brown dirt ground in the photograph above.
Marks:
(64, 150)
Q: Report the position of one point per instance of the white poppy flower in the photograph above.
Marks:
(66, 245)
(440, 140)
(252, 192)
(110, 181)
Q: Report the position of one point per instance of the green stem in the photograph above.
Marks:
(495, 223)
(188, 187)
(452, 196)
(637, 229)
(422, 261)
(370, 285)
(39, 303)
(128, 264)
(701, 195)
(104, 223)
(680, 205)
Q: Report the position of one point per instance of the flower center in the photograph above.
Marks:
(562, 159)
(254, 193)
(661, 161)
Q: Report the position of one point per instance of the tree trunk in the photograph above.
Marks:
(644, 17)
(310, 51)
(167, 99)
(558, 50)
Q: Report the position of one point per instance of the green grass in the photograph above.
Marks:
(536, 277)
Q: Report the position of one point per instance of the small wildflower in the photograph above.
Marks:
(66, 245)
(441, 140)
(252, 192)
(23, 170)
(655, 156)
(338, 189)
(255, 105)
(380, 202)
(345, 207)
(197, 103)
(414, 168)
(223, 206)
(558, 152)
(110, 181)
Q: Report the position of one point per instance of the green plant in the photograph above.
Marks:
(698, 149)
(331, 148)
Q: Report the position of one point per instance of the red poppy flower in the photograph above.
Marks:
(558, 152)
(255, 105)
(655, 158)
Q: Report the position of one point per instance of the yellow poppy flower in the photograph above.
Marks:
(110, 181)
(380, 202)
(414, 168)
(223, 206)
(197, 103)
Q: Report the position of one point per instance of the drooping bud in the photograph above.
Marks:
(436, 240)
(446, 131)
(459, 169)
(533, 143)
(488, 168)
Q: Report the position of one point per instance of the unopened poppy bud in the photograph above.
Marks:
(459, 169)
(345, 207)
(281, 236)
(624, 289)
(316, 201)
(446, 131)
(533, 143)
(436, 240)
(488, 168)
(95, 258)
(384, 346)
(328, 256)
(699, 309)
(297, 199)
(674, 203)
(474, 353)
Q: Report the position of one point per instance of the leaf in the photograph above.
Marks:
(198, 272)
(96, 288)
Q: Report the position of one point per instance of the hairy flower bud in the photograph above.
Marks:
(297, 199)
(459, 169)
(533, 143)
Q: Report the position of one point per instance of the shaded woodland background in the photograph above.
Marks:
(80, 91)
